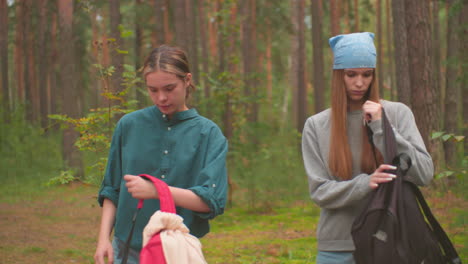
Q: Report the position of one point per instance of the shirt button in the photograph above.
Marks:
(163, 176)
(166, 152)
(169, 128)
(214, 185)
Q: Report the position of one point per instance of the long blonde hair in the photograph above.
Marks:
(340, 159)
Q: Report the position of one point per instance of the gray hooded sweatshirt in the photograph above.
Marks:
(341, 201)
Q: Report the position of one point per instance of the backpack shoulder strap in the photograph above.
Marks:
(447, 245)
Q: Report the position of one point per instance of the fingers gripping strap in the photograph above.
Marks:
(165, 197)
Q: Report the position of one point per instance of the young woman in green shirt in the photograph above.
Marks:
(168, 141)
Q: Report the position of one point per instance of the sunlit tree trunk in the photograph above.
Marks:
(356, 16)
(403, 82)
(68, 84)
(335, 17)
(317, 68)
(4, 87)
(423, 95)
(451, 88)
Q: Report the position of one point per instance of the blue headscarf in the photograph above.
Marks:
(355, 50)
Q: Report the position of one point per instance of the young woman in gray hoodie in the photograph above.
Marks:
(337, 155)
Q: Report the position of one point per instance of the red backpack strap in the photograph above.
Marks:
(165, 196)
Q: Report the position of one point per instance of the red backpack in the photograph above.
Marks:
(166, 240)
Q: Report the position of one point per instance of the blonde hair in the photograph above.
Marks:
(171, 60)
(340, 159)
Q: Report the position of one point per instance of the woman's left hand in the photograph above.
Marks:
(372, 111)
(140, 188)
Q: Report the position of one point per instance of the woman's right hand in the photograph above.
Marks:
(380, 176)
(104, 249)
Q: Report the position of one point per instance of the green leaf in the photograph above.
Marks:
(437, 134)
(444, 174)
(122, 51)
(459, 138)
(447, 137)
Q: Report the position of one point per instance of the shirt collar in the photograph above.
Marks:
(177, 117)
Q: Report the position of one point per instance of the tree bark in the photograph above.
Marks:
(180, 24)
(451, 87)
(356, 16)
(19, 51)
(403, 81)
(192, 39)
(116, 56)
(335, 17)
(464, 58)
(380, 55)
(249, 58)
(204, 47)
(391, 58)
(138, 48)
(68, 83)
(159, 7)
(424, 102)
(318, 72)
(4, 87)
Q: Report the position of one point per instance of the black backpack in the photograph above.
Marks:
(392, 228)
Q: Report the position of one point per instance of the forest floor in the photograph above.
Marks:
(60, 225)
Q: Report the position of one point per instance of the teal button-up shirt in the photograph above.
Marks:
(187, 151)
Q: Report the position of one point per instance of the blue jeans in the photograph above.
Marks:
(118, 246)
(335, 257)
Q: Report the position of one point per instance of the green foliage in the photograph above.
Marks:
(66, 176)
(95, 129)
(29, 154)
(458, 172)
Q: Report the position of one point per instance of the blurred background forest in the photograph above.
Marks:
(69, 69)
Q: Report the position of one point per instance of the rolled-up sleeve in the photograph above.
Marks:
(110, 186)
(211, 184)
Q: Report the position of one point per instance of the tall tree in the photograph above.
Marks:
(31, 87)
(380, 65)
(249, 57)
(43, 60)
(159, 8)
(192, 38)
(180, 23)
(4, 88)
(451, 87)
(335, 17)
(202, 16)
(356, 16)
(116, 54)
(318, 68)
(403, 82)
(298, 64)
(464, 70)
(423, 95)
(19, 50)
(68, 84)
(436, 47)
(391, 64)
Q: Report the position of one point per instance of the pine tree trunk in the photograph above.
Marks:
(180, 23)
(204, 47)
(68, 84)
(380, 55)
(159, 7)
(19, 51)
(116, 56)
(356, 16)
(335, 17)
(4, 87)
(192, 39)
(464, 58)
(318, 72)
(391, 58)
(43, 61)
(451, 88)
(424, 100)
(403, 81)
